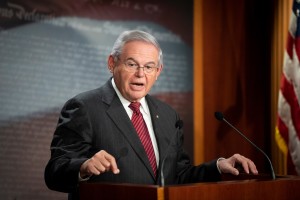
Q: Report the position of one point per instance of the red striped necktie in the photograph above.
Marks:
(142, 131)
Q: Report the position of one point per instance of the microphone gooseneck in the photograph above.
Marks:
(219, 116)
(178, 125)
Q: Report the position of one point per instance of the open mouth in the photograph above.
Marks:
(138, 84)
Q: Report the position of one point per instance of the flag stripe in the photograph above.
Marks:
(284, 132)
(290, 45)
(288, 92)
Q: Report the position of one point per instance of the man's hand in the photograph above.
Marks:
(228, 165)
(101, 162)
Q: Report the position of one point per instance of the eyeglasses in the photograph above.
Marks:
(132, 66)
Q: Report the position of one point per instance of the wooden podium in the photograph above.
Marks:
(284, 187)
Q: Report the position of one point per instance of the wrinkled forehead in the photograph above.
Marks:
(140, 50)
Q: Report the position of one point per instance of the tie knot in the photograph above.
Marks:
(135, 107)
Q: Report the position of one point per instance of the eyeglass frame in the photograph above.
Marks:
(137, 66)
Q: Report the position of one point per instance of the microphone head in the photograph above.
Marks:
(219, 116)
(179, 124)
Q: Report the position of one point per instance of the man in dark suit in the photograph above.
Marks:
(100, 136)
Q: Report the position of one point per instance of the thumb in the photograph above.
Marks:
(234, 171)
(228, 168)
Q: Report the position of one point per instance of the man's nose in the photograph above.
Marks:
(140, 71)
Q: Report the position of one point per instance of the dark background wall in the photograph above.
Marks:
(236, 66)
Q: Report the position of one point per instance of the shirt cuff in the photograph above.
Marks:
(83, 179)
(218, 164)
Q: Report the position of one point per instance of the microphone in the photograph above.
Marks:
(178, 125)
(219, 116)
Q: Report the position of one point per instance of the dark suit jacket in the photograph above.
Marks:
(96, 120)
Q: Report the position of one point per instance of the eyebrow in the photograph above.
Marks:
(147, 63)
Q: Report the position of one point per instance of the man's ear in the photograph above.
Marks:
(110, 63)
(159, 71)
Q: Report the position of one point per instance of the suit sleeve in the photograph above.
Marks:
(69, 147)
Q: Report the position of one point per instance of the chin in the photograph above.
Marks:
(136, 98)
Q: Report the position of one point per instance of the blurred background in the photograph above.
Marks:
(225, 55)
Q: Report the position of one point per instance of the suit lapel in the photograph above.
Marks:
(119, 116)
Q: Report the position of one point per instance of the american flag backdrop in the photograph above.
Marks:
(288, 121)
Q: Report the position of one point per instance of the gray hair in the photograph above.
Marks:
(134, 35)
